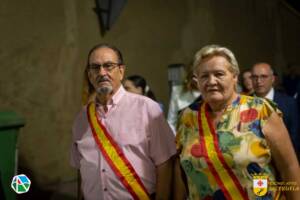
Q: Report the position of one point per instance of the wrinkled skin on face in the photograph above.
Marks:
(216, 82)
(105, 82)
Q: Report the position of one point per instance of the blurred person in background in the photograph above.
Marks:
(181, 97)
(263, 83)
(291, 79)
(138, 85)
(246, 83)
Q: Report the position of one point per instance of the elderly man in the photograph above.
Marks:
(122, 144)
(263, 80)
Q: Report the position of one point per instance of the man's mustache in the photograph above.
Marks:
(102, 78)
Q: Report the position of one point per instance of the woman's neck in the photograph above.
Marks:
(220, 107)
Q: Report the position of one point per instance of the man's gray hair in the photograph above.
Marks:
(216, 50)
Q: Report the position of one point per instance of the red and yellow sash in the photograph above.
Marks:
(224, 176)
(115, 157)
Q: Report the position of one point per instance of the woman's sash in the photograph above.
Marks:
(115, 157)
(222, 173)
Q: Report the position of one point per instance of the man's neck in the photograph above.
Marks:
(103, 99)
(269, 95)
(261, 95)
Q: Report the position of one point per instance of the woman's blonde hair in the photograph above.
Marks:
(216, 50)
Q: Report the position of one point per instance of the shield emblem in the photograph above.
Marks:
(260, 185)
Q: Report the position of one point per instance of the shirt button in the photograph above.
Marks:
(105, 189)
(103, 170)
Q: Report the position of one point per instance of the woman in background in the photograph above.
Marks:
(138, 85)
(246, 83)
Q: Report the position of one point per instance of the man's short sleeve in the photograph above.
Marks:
(74, 153)
(74, 156)
(162, 140)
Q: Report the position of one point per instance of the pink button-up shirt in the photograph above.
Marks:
(138, 126)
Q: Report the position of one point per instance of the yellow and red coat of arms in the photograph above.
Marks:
(260, 185)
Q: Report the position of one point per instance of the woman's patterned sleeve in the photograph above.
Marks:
(180, 129)
(268, 107)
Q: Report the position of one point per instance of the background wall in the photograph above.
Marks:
(44, 46)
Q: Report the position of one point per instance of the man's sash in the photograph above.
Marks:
(115, 157)
(222, 173)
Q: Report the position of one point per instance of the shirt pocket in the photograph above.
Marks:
(132, 135)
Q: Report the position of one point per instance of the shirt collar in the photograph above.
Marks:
(115, 98)
(270, 94)
(118, 95)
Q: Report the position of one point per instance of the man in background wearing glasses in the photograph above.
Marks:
(122, 145)
(263, 80)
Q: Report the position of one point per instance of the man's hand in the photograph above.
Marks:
(164, 180)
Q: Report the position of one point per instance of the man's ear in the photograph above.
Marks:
(88, 75)
(122, 71)
(273, 78)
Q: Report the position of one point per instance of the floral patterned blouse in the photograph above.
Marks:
(240, 142)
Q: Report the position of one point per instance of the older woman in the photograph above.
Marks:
(227, 139)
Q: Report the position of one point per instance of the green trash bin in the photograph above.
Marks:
(10, 123)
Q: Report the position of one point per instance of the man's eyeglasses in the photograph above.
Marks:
(109, 66)
(261, 77)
